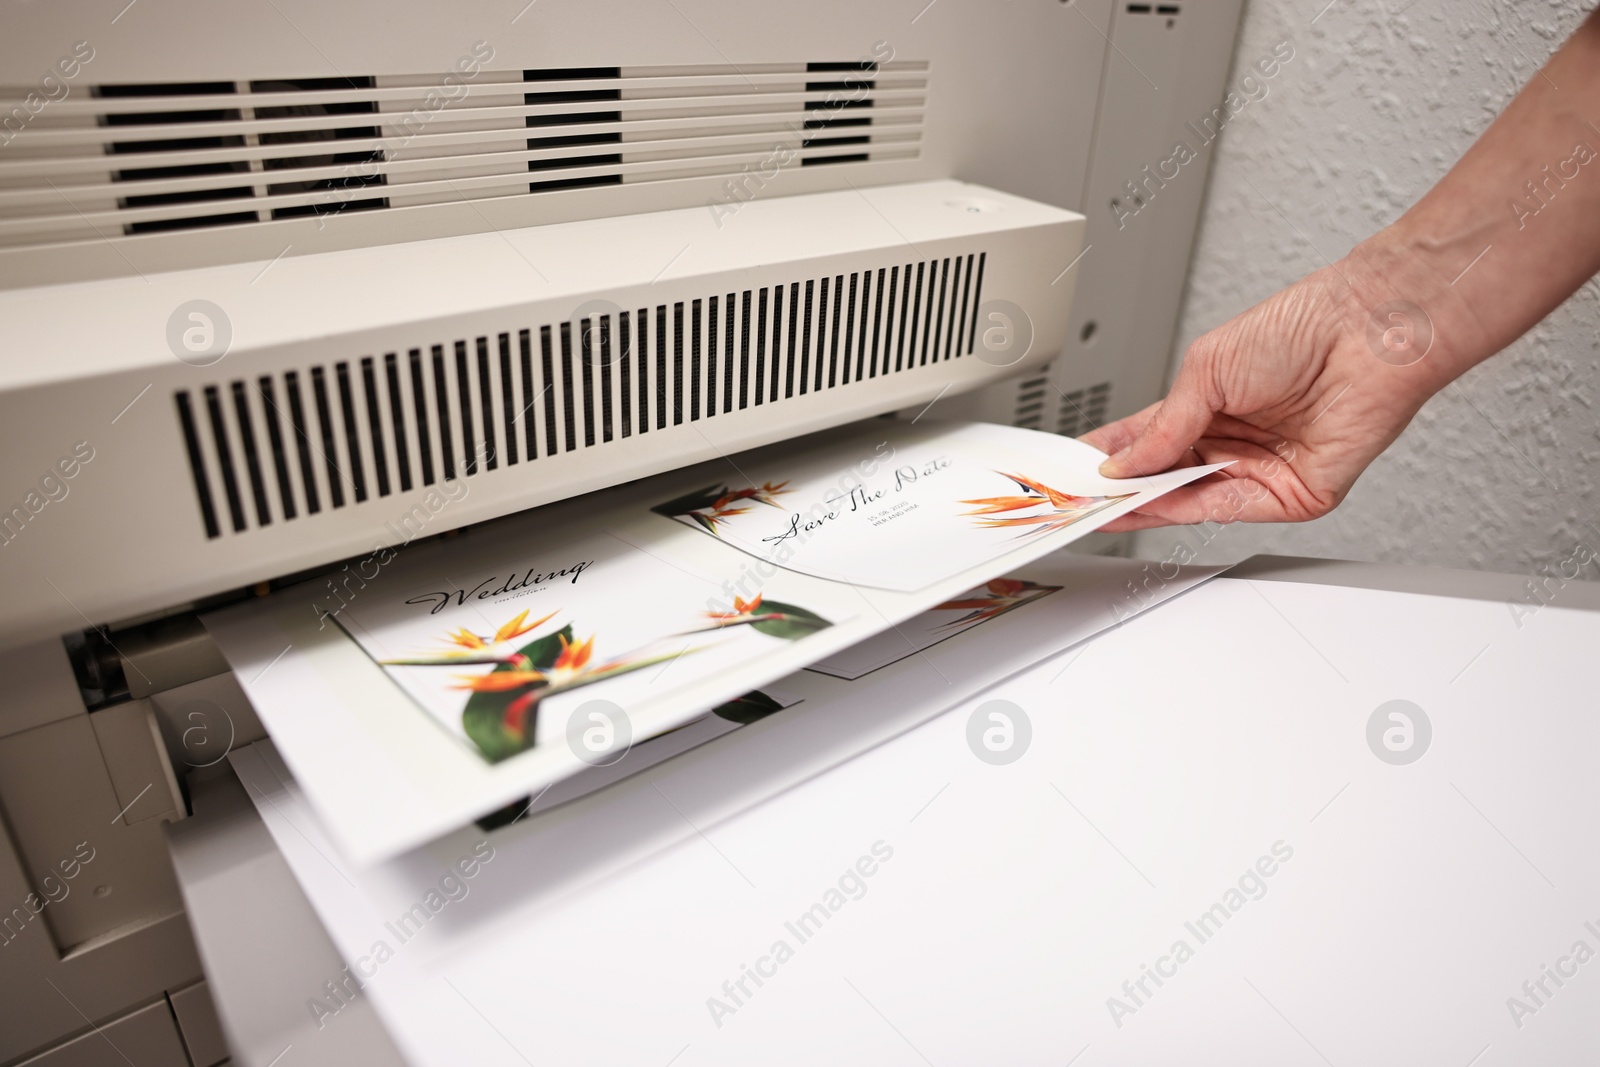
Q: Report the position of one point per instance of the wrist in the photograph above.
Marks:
(1404, 295)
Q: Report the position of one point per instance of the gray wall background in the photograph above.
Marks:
(1498, 471)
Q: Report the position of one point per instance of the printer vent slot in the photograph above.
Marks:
(285, 446)
(126, 159)
(204, 202)
(1084, 409)
(1029, 412)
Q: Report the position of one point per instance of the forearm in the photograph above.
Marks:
(1511, 231)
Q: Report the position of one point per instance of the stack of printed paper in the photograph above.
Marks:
(468, 674)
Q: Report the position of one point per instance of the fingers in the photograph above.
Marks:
(1231, 500)
(1134, 521)
(1176, 423)
(1214, 498)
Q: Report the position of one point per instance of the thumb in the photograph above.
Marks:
(1177, 423)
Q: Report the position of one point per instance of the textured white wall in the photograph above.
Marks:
(1498, 471)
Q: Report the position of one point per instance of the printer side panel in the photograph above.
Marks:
(1163, 101)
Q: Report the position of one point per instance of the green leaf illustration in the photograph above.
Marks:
(542, 652)
(484, 721)
(748, 708)
(484, 716)
(793, 623)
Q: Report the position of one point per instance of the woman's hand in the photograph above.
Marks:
(1305, 389)
(1301, 393)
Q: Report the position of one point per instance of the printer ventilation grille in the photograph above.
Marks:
(146, 158)
(1084, 409)
(1030, 402)
(284, 446)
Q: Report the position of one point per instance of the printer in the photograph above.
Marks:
(280, 281)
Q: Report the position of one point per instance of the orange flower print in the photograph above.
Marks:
(470, 648)
(1061, 509)
(1003, 594)
(570, 670)
(710, 507)
(742, 610)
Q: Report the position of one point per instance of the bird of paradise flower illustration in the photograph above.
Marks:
(715, 504)
(999, 596)
(1061, 509)
(501, 712)
(470, 648)
(770, 617)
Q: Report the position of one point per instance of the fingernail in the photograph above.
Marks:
(1114, 466)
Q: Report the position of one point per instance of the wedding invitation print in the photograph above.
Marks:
(902, 516)
(502, 656)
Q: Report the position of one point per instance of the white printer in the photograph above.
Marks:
(279, 281)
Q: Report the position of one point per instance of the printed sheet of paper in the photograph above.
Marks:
(474, 672)
(541, 865)
(907, 513)
(470, 673)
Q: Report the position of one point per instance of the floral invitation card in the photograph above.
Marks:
(906, 511)
(502, 656)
